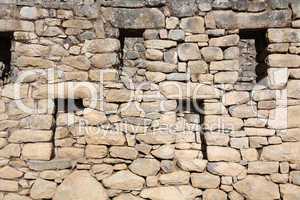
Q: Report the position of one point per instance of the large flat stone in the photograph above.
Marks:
(284, 35)
(283, 60)
(266, 19)
(283, 152)
(80, 185)
(181, 8)
(140, 18)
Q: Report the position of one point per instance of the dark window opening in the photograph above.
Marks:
(68, 105)
(253, 48)
(132, 46)
(193, 106)
(5, 54)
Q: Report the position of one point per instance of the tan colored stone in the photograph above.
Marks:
(257, 188)
(283, 35)
(104, 137)
(12, 196)
(283, 152)
(229, 40)
(124, 180)
(225, 65)
(232, 98)
(283, 60)
(164, 152)
(37, 151)
(260, 167)
(123, 152)
(226, 168)
(175, 178)
(215, 122)
(216, 153)
(24, 61)
(96, 151)
(217, 139)
(188, 51)
(160, 44)
(80, 185)
(158, 66)
(212, 53)
(101, 45)
(122, 95)
(226, 77)
(34, 50)
(289, 192)
(214, 194)
(205, 180)
(259, 132)
(43, 189)
(77, 23)
(27, 135)
(8, 172)
(78, 62)
(198, 67)
(94, 117)
(127, 196)
(105, 60)
(192, 24)
(145, 167)
(293, 89)
(72, 153)
(195, 165)
(8, 186)
(10, 150)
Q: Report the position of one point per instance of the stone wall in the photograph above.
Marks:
(150, 99)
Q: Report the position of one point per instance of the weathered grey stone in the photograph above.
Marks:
(205, 180)
(189, 51)
(177, 35)
(212, 53)
(198, 67)
(225, 41)
(79, 185)
(159, 44)
(43, 189)
(257, 188)
(183, 8)
(77, 23)
(226, 77)
(225, 65)
(123, 152)
(56, 164)
(139, 18)
(243, 20)
(145, 167)
(283, 35)
(296, 9)
(124, 180)
(192, 24)
(157, 66)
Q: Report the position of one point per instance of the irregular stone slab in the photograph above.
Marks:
(283, 152)
(284, 35)
(283, 60)
(181, 8)
(234, 97)
(226, 65)
(127, 196)
(225, 41)
(174, 193)
(257, 188)
(189, 51)
(78, 62)
(43, 189)
(145, 167)
(155, 138)
(217, 153)
(105, 60)
(205, 180)
(195, 165)
(101, 45)
(293, 116)
(193, 24)
(139, 18)
(214, 122)
(159, 44)
(124, 180)
(226, 168)
(293, 88)
(57, 164)
(37, 151)
(77, 23)
(27, 135)
(290, 192)
(296, 9)
(24, 61)
(96, 136)
(8, 172)
(157, 66)
(80, 185)
(175, 178)
(123, 152)
(261, 167)
(8, 186)
(214, 194)
(12, 196)
(266, 19)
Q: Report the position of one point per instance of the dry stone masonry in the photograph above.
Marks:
(150, 99)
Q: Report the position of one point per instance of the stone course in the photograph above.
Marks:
(150, 99)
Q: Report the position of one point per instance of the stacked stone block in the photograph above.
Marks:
(169, 114)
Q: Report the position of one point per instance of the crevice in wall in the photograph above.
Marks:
(253, 47)
(5, 54)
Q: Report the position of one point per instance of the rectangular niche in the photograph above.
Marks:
(68, 105)
(253, 51)
(5, 54)
(132, 46)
